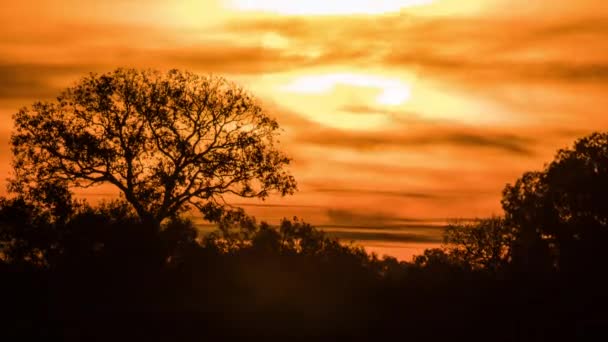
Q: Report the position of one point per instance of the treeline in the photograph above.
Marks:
(72, 272)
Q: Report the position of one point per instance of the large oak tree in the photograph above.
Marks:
(167, 141)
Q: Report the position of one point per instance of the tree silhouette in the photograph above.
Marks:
(166, 141)
(26, 234)
(482, 244)
(563, 209)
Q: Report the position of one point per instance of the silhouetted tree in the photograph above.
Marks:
(561, 213)
(27, 235)
(435, 258)
(179, 237)
(481, 244)
(527, 210)
(166, 141)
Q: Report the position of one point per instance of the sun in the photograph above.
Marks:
(325, 7)
(328, 98)
(390, 92)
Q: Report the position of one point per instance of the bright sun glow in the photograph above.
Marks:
(326, 7)
(393, 92)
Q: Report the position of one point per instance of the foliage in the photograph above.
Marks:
(561, 213)
(26, 235)
(481, 244)
(166, 141)
(104, 264)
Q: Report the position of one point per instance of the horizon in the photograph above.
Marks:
(396, 116)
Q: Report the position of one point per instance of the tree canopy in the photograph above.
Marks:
(480, 244)
(562, 210)
(167, 141)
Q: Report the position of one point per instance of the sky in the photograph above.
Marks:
(398, 114)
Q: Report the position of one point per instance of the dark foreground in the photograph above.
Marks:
(109, 284)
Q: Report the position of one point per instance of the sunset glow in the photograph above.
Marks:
(391, 110)
(323, 7)
(391, 91)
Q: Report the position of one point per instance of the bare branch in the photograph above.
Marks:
(165, 141)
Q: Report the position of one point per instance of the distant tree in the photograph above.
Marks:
(561, 213)
(481, 244)
(167, 141)
(30, 235)
(436, 258)
(238, 231)
(26, 234)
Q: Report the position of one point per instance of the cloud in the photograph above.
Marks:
(376, 226)
(268, 205)
(473, 50)
(379, 220)
(407, 131)
(452, 136)
(27, 81)
(41, 79)
(363, 192)
(232, 59)
(364, 109)
(38, 63)
(379, 236)
(471, 69)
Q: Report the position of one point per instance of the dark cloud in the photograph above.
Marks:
(262, 205)
(362, 192)
(469, 69)
(343, 218)
(32, 81)
(37, 63)
(374, 227)
(27, 81)
(379, 236)
(234, 59)
(454, 136)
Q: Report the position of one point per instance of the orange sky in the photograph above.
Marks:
(398, 113)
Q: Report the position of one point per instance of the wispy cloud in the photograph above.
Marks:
(474, 50)
(28, 81)
(451, 136)
(364, 192)
(392, 237)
